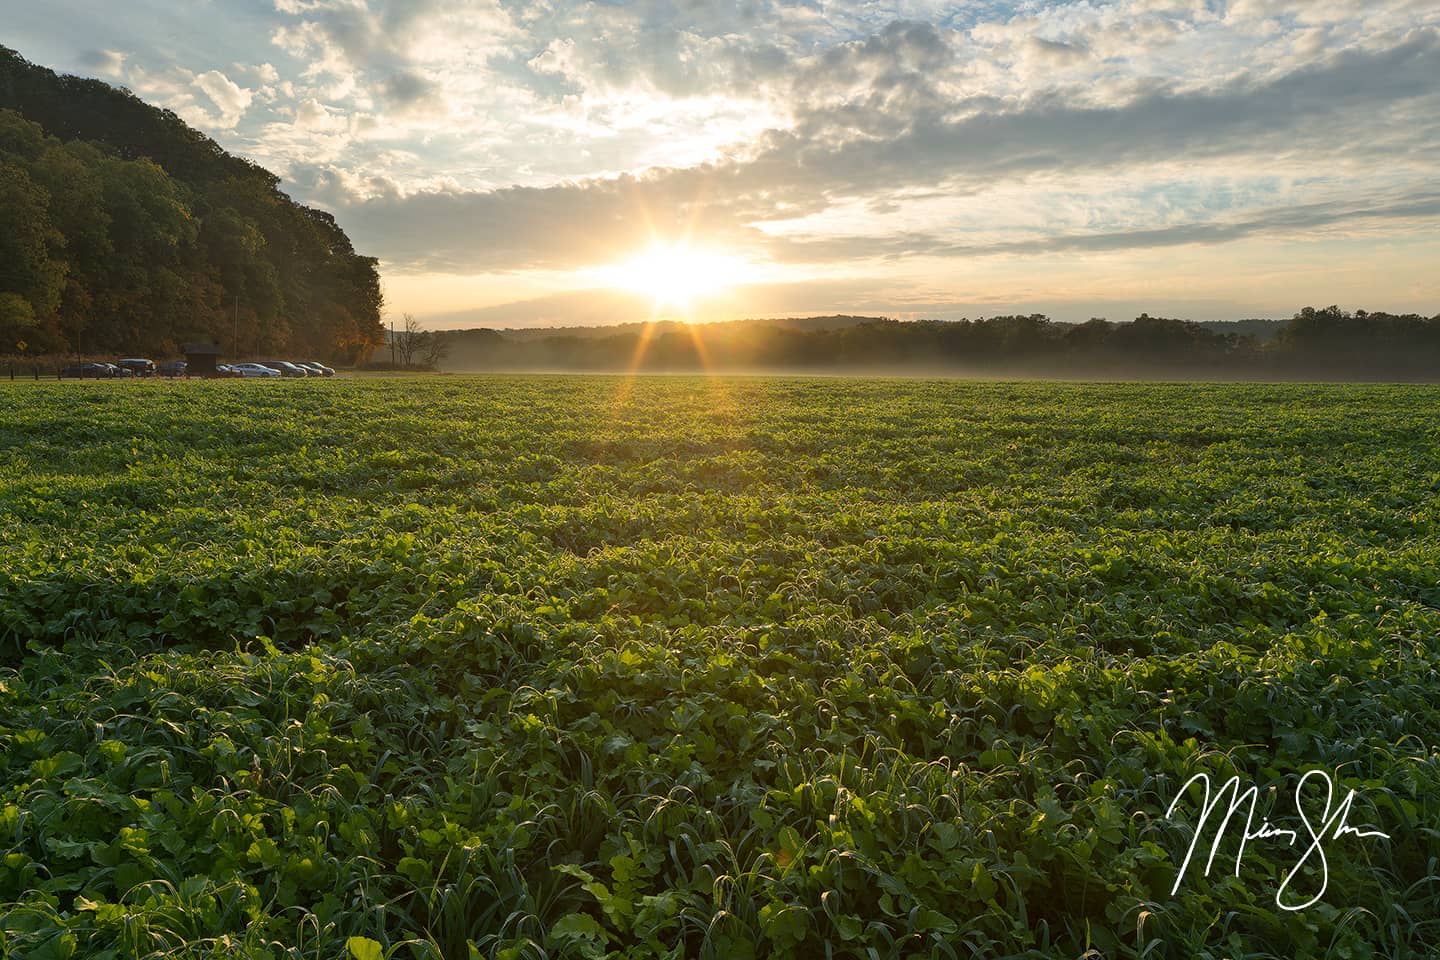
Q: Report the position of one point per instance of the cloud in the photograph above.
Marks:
(1317, 119)
(1056, 51)
(110, 63)
(1050, 133)
(1305, 11)
(529, 228)
(558, 59)
(604, 307)
(353, 36)
(410, 91)
(314, 116)
(231, 99)
(1415, 211)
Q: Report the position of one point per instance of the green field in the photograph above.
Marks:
(687, 667)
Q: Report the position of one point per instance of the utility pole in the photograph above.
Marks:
(392, 344)
(235, 333)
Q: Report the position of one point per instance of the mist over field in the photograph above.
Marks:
(1328, 344)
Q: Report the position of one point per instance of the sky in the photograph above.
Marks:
(555, 162)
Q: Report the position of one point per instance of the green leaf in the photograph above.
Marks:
(414, 868)
(582, 933)
(927, 919)
(61, 947)
(363, 948)
(947, 835)
(62, 764)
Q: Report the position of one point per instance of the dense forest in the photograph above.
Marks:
(1325, 343)
(123, 230)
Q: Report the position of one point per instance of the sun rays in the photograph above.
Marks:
(676, 276)
(677, 279)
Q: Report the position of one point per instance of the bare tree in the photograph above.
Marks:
(408, 340)
(418, 348)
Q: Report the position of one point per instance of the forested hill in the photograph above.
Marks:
(123, 230)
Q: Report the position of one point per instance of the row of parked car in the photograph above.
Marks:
(276, 368)
(140, 367)
(125, 367)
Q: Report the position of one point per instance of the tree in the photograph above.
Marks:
(408, 340)
(418, 347)
(30, 247)
(437, 348)
(123, 227)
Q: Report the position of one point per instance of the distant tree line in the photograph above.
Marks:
(124, 230)
(1327, 342)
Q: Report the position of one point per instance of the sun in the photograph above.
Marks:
(674, 277)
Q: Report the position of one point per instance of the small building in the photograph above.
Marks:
(200, 359)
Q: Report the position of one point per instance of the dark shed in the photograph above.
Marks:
(200, 358)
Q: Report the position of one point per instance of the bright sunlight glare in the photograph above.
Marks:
(676, 276)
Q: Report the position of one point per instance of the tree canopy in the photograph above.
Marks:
(124, 230)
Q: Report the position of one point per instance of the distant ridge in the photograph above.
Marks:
(836, 322)
(1327, 343)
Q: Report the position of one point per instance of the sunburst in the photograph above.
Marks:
(675, 277)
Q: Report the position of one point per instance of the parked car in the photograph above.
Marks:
(317, 366)
(285, 368)
(223, 370)
(254, 370)
(116, 372)
(88, 371)
(174, 368)
(138, 366)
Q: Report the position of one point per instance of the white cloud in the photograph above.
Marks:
(312, 115)
(558, 58)
(231, 99)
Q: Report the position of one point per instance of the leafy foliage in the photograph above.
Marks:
(707, 667)
(121, 229)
